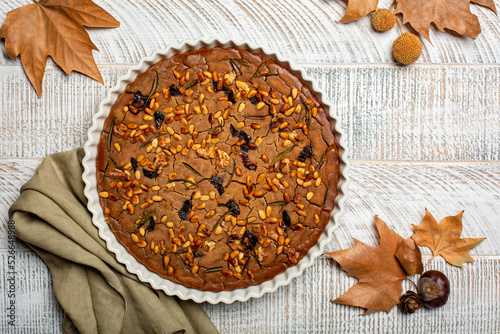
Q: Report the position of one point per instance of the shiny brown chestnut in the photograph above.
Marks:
(434, 288)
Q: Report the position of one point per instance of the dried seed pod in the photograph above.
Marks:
(407, 48)
(383, 20)
(410, 302)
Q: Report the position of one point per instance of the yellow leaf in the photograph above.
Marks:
(444, 238)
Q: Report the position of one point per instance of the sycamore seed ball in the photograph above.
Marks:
(383, 20)
(407, 48)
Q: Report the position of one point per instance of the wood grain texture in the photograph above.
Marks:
(305, 30)
(430, 113)
(425, 136)
(396, 191)
(37, 310)
(302, 307)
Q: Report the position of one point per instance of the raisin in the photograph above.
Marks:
(214, 85)
(254, 100)
(234, 132)
(174, 91)
(245, 136)
(186, 208)
(197, 254)
(241, 135)
(230, 95)
(151, 225)
(233, 207)
(246, 161)
(305, 153)
(245, 147)
(139, 100)
(217, 183)
(150, 174)
(249, 239)
(159, 117)
(286, 219)
(134, 163)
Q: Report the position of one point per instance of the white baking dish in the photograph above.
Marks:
(134, 266)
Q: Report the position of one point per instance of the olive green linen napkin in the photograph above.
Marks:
(96, 292)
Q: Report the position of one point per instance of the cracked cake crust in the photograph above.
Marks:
(217, 168)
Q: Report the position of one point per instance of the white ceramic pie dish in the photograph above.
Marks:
(131, 263)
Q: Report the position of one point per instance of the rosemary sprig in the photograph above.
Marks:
(232, 174)
(256, 117)
(259, 69)
(234, 66)
(110, 135)
(153, 88)
(282, 154)
(241, 62)
(267, 75)
(182, 251)
(321, 162)
(308, 114)
(212, 270)
(192, 84)
(280, 203)
(149, 141)
(212, 129)
(145, 219)
(188, 166)
(236, 63)
(222, 217)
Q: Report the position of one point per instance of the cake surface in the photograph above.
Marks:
(217, 168)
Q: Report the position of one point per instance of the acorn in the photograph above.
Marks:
(434, 288)
(383, 20)
(407, 48)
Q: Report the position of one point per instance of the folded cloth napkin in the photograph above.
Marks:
(96, 292)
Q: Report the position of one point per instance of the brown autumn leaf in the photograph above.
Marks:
(54, 28)
(377, 269)
(453, 15)
(410, 257)
(444, 238)
(357, 9)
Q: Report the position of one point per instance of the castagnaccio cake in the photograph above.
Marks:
(218, 168)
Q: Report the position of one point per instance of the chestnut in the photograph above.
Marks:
(434, 288)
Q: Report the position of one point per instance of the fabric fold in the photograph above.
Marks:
(96, 293)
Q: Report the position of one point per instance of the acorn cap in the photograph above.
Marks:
(407, 48)
(383, 20)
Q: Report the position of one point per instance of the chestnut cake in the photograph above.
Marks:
(217, 168)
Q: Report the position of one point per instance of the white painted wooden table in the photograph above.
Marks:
(425, 136)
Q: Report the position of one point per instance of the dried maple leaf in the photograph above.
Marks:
(54, 28)
(444, 238)
(410, 257)
(357, 9)
(377, 269)
(453, 15)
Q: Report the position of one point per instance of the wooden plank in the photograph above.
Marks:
(305, 30)
(36, 307)
(388, 113)
(302, 307)
(398, 192)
